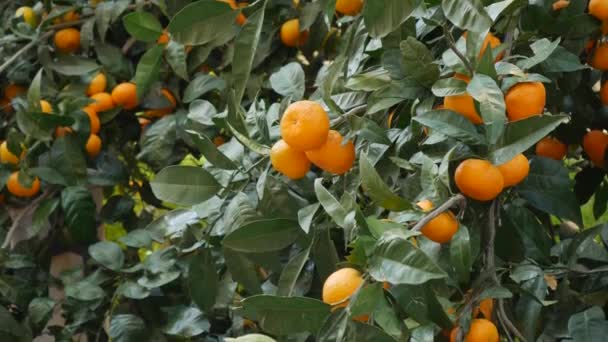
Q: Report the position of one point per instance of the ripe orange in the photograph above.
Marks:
(486, 307)
(599, 9)
(291, 35)
(7, 157)
(156, 113)
(334, 156)
(604, 93)
(490, 40)
(599, 59)
(125, 95)
(482, 330)
(97, 85)
(17, 189)
(349, 7)
(464, 105)
(340, 285)
(289, 162)
(305, 125)
(93, 119)
(594, 144)
(552, 148)
(93, 146)
(62, 131)
(103, 102)
(67, 40)
(67, 17)
(525, 99)
(441, 228)
(479, 179)
(240, 19)
(219, 141)
(560, 4)
(164, 38)
(5, 105)
(46, 107)
(515, 170)
(12, 90)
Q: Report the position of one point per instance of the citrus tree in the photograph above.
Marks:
(323, 170)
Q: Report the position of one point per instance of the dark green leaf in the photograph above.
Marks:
(460, 254)
(70, 65)
(379, 192)
(203, 280)
(291, 272)
(142, 26)
(176, 57)
(184, 185)
(126, 327)
(263, 235)
(589, 325)
(108, 254)
(467, 14)
(383, 17)
(491, 104)
(289, 81)
(185, 322)
(451, 124)
(80, 211)
(148, 69)
(210, 151)
(202, 84)
(202, 22)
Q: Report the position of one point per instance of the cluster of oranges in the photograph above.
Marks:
(291, 35)
(306, 138)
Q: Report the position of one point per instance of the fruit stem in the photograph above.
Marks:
(457, 199)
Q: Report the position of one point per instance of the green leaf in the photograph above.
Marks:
(548, 188)
(366, 300)
(262, 235)
(113, 61)
(70, 65)
(33, 92)
(418, 62)
(184, 185)
(126, 327)
(331, 205)
(142, 26)
(383, 17)
(202, 84)
(491, 104)
(374, 187)
(210, 151)
(286, 315)
(108, 254)
(132, 290)
(523, 134)
(40, 311)
(289, 81)
(137, 238)
(460, 254)
(536, 242)
(451, 124)
(79, 212)
(467, 14)
(369, 81)
(397, 261)
(542, 49)
(202, 280)
(306, 215)
(291, 272)
(202, 111)
(66, 157)
(176, 57)
(202, 22)
(185, 321)
(562, 60)
(84, 290)
(245, 46)
(148, 69)
(250, 143)
(243, 270)
(448, 87)
(589, 325)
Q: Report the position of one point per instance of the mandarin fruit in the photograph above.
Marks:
(97, 85)
(334, 156)
(67, 40)
(479, 179)
(289, 162)
(125, 95)
(595, 143)
(159, 112)
(441, 228)
(515, 170)
(16, 188)
(291, 35)
(525, 99)
(550, 147)
(349, 7)
(93, 145)
(305, 125)
(103, 102)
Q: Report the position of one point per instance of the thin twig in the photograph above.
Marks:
(457, 199)
(24, 211)
(23, 50)
(502, 312)
(128, 44)
(452, 45)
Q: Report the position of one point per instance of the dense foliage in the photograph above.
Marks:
(141, 202)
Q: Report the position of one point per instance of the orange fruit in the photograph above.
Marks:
(164, 37)
(289, 162)
(291, 35)
(143, 122)
(525, 99)
(334, 156)
(5, 105)
(12, 90)
(349, 7)
(550, 147)
(560, 4)
(479, 179)
(62, 131)
(604, 27)
(486, 307)
(103, 102)
(482, 330)
(93, 119)
(599, 59)
(156, 113)
(46, 107)
(17, 189)
(7, 157)
(305, 125)
(340, 286)
(515, 170)
(67, 40)
(441, 228)
(67, 17)
(93, 145)
(599, 9)
(464, 105)
(604, 93)
(219, 141)
(125, 95)
(594, 144)
(240, 19)
(490, 40)
(97, 84)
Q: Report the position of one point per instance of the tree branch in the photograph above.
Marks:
(457, 199)
(452, 45)
(17, 221)
(23, 50)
